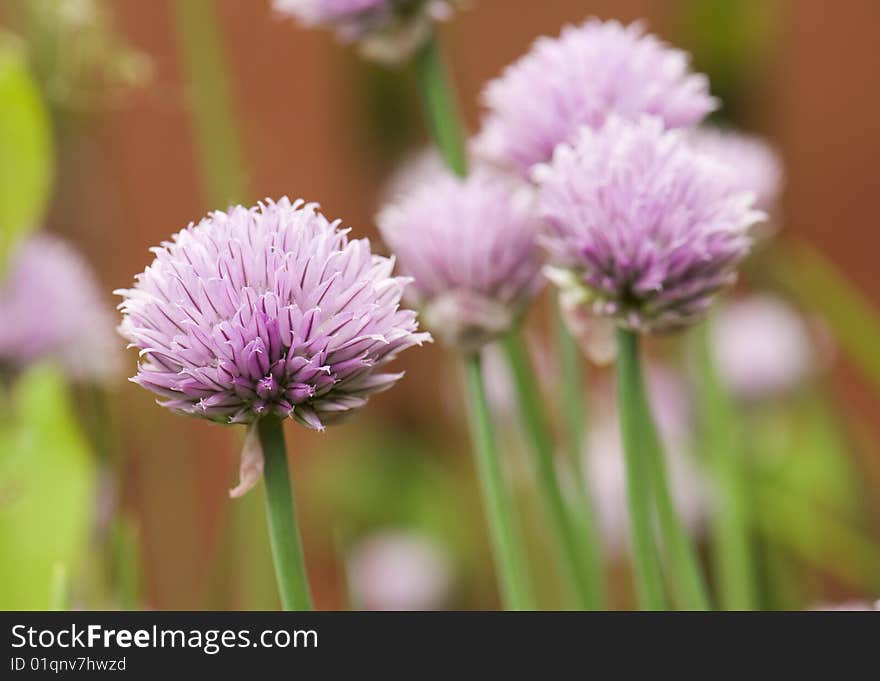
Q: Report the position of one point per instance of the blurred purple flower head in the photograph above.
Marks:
(51, 307)
(267, 310)
(414, 170)
(762, 347)
(590, 72)
(469, 245)
(386, 30)
(604, 460)
(399, 570)
(648, 227)
(755, 164)
(850, 606)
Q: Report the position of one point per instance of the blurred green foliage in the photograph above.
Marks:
(79, 58)
(47, 489)
(729, 40)
(26, 148)
(817, 283)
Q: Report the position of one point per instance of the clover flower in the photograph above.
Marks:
(590, 72)
(386, 30)
(762, 347)
(51, 308)
(469, 245)
(267, 310)
(649, 229)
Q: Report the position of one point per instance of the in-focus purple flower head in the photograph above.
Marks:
(267, 310)
(646, 228)
(52, 308)
(588, 73)
(470, 247)
(387, 31)
(756, 166)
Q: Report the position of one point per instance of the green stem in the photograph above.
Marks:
(640, 431)
(507, 548)
(732, 551)
(571, 381)
(210, 99)
(59, 588)
(125, 551)
(569, 540)
(689, 583)
(290, 568)
(631, 406)
(441, 109)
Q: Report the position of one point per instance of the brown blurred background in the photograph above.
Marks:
(319, 123)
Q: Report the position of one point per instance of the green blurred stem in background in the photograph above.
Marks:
(647, 482)
(507, 545)
(290, 567)
(59, 588)
(571, 382)
(819, 285)
(220, 157)
(579, 559)
(577, 540)
(632, 407)
(732, 550)
(441, 109)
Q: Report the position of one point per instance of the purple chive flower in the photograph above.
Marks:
(756, 165)
(762, 347)
(649, 229)
(52, 308)
(267, 310)
(387, 30)
(469, 246)
(588, 73)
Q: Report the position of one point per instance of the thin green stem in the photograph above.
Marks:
(631, 406)
(290, 567)
(59, 588)
(687, 574)
(574, 409)
(210, 99)
(125, 553)
(731, 545)
(507, 547)
(441, 108)
(570, 541)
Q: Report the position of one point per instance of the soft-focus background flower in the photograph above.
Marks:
(125, 152)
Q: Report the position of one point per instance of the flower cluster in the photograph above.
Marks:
(387, 30)
(589, 72)
(267, 310)
(51, 307)
(470, 247)
(649, 228)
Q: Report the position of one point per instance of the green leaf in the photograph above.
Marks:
(26, 150)
(47, 489)
(819, 285)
